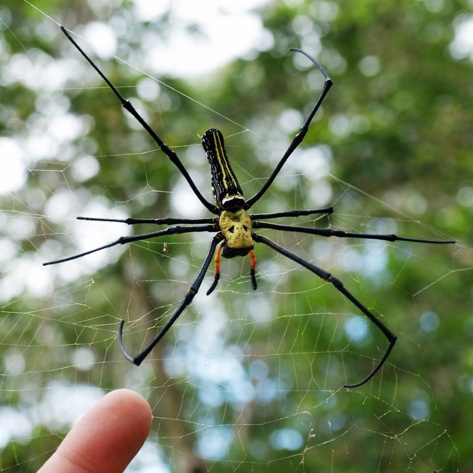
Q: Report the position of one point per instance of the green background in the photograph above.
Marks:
(247, 381)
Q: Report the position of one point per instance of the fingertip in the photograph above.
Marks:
(132, 405)
(107, 438)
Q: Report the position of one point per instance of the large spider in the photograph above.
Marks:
(233, 226)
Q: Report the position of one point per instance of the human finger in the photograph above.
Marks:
(107, 438)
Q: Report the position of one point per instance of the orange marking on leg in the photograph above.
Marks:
(253, 267)
(217, 259)
(253, 260)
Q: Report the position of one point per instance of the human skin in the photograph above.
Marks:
(107, 438)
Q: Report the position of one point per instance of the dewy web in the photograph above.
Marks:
(232, 226)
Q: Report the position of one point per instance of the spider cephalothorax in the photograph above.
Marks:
(237, 229)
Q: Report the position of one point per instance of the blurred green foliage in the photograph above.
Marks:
(396, 134)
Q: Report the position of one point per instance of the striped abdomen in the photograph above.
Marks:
(225, 186)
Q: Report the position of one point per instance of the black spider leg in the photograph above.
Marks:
(252, 256)
(217, 270)
(127, 105)
(193, 290)
(143, 236)
(297, 140)
(326, 276)
(154, 221)
(292, 213)
(328, 232)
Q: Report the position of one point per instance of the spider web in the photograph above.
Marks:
(244, 379)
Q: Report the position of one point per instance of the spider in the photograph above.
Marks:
(232, 225)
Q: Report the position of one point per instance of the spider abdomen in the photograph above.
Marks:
(225, 186)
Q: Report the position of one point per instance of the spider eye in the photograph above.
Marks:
(232, 229)
(245, 228)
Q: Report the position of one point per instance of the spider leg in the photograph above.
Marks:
(252, 256)
(297, 140)
(326, 276)
(154, 221)
(328, 232)
(143, 236)
(217, 269)
(253, 269)
(131, 109)
(193, 290)
(292, 213)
